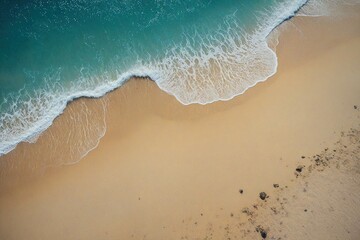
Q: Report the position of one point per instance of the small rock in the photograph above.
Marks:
(302, 157)
(247, 211)
(231, 214)
(263, 234)
(299, 168)
(241, 191)
(305, 210)
(276, 185)
(263, 195)
(355, 107)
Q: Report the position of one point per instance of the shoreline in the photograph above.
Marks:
(171, 171)
(102, 90)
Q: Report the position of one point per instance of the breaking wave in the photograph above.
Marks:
(200, 68)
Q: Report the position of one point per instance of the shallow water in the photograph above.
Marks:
(198, 51)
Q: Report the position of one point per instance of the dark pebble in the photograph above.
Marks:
(355, 107)
(305, 210)
(302, 157)
(263, 195)
(241, 191)
(263, 233)
(276, 185)
(299, 169)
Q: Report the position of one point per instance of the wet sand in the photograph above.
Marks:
(168, 171)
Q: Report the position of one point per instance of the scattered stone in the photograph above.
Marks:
(262, 232)
(247, 211)
(355, 107)
(231, 214)
(241, 191)
(302, 157)
(275, 211)
(276, 185)
(299, 168)
(263, 195)
(305, 210)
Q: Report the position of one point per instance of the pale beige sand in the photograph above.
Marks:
(168, 171)
(324, 202)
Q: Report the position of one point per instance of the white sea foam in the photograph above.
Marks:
(227, 64)
(25, 120)
(317, 8)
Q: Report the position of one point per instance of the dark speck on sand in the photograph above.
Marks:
(263, 195)
(299, 169)
(262, 232)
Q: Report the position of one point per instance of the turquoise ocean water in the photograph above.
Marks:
(200, 51)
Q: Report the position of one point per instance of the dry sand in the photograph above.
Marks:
(168, 171)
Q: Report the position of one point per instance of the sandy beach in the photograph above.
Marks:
(163, 170)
